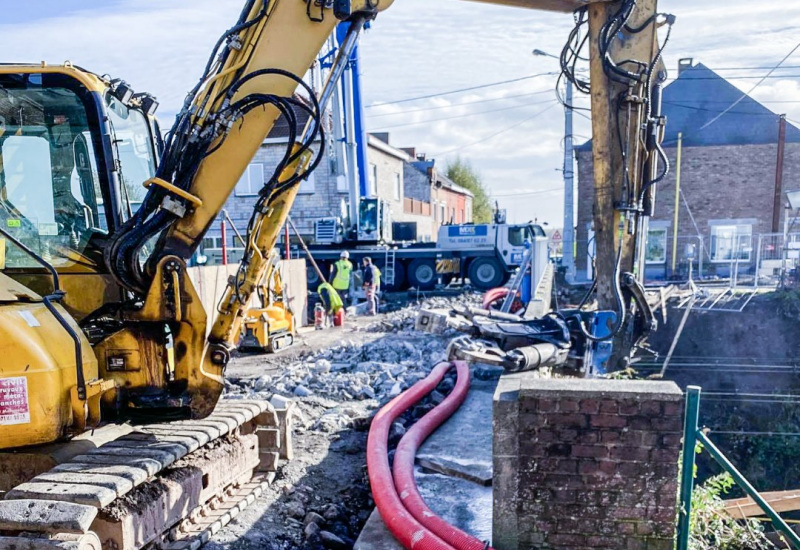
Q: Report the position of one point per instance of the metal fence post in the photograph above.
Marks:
(691, 418)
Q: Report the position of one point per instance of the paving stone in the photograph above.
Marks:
(46, 516)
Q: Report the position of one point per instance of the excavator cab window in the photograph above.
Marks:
(50, 184)
(134, 150)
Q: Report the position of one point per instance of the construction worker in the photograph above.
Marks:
(340, 276)
(371, 284)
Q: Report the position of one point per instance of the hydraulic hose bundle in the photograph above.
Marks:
(395, 492)
(210, 112)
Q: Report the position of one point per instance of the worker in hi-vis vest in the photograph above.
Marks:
(341, 272)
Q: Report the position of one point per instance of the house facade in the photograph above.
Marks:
(414, 190)
(728, 205)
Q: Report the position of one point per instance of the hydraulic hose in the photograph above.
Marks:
(405, 457)
(405, 528)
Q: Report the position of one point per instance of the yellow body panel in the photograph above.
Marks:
(37, 374)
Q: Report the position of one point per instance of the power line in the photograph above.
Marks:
(757, 84)
(463, 116)
(454, 105)
(490, 85)
(752, 68)
(491, 136)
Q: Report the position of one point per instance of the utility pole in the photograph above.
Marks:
(568, 242)
(776, 203)
(568, 246)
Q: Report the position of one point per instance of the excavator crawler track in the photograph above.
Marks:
(166, 486)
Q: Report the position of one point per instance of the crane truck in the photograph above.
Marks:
(486, 254)
(112, 426)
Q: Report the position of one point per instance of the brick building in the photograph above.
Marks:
(415, 190)
(728, 178)
(449, 202)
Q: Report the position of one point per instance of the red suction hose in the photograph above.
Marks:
(407, 530)
(405, 457)
(400, 504)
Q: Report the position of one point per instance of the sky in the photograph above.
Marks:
(512, 133)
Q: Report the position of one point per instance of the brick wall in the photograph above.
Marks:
(723, 182)
(585, 463)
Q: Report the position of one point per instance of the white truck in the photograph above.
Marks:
(486, 254)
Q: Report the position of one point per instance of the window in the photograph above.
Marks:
(49, 182)
(135, 149)
(731, 242)
(444, 215)
(308, 185)
(251, 181)
(373, 180)
(516, 235)
(656, 251)
(398, 188)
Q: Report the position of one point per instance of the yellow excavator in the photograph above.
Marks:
(270, 327)
(100, 326)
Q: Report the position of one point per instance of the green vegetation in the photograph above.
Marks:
(712, 529)
(464, 174)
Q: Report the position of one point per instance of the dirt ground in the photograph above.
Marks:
(321, 498)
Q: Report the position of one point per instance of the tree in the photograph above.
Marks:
(464, 174)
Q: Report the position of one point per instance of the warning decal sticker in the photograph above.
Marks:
(14, 407)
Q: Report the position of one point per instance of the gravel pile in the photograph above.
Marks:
(404, 319)
(379, 370)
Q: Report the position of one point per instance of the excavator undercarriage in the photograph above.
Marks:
(127, 487)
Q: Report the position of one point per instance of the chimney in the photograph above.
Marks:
(685, 64)
(421, 157)
(382, 136)
(410, 151)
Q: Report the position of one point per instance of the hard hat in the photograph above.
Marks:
(345, 254)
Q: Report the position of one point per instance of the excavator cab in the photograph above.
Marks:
(74, 151)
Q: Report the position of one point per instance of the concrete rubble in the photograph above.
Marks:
(338, 379)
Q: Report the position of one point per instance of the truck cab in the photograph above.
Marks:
(491, 251)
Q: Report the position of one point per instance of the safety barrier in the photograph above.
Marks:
(694, 434)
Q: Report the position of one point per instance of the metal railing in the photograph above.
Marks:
(694, 434)
(744, 261)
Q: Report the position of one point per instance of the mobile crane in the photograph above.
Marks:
(99, 321)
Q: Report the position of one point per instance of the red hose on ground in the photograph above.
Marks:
(405, 457)
(407, 530)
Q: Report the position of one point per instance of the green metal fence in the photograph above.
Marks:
(694, 434)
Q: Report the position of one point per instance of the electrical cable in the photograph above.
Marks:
(455, 105)
(455, 117)
(504, 130)
(747, 94)
(460, 90)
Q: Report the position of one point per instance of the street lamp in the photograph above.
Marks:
(568, 254)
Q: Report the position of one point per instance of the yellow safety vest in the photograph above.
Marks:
(378, 274)
(342, 279)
